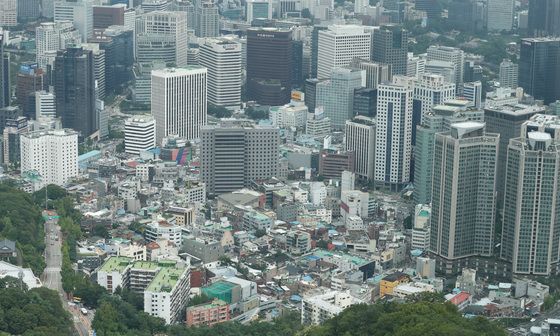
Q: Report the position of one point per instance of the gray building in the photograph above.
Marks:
(390, 46)
(236, 153)
(206, 250)
(207, 19)
(463, 195)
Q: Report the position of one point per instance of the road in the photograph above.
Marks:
(52, 278)
(523, 329)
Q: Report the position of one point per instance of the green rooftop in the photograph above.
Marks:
(166, 278)
(145, 265)
(115, 264)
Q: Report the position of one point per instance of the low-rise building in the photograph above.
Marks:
(208, 314)
(391, 281)
(317, 309)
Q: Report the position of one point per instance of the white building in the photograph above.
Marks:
(415, 65)
(508, 74)
(44, 104)
(168, 293)
(318, 125)
(26, 274)
(179, 102)
(258, 9)
(500, 15)
(421, 228)
(53, 154)
(407, 289)
(393, 140)
(222, 58)
(79, 12)
(164, 230)
(360, 138)
(354, 203)
(339, 45)
(289, 115)
(8, 13)
(53, 36)
(455, 56)
(317, 309)
(139, 134)
(432, 90)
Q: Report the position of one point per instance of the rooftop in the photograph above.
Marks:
(115, 264)
(145, 265)
(167, 277)
(353, 259)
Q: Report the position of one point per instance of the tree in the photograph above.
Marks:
(256, 114)
(199, 299)
(218, 111)
(100, 230)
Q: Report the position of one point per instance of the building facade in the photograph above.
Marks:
(360, 139)
(139, 134)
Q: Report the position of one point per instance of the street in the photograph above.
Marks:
(52, 278)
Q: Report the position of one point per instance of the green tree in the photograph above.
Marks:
(218, 111)
(199, 299)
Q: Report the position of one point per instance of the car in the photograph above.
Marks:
(84, 311)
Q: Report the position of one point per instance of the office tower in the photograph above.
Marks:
(207, 19)
(415, 65)
(236, 154)
(438, 120)
(315, 48)
(154, 5)
(53, 154)
(28, 10)
(45, 105)
(375, 73)
(539, 68)
(432, 90)
(4, 101)
(531, 226)
(79, 12)
(500, 15)
(365, 102)
(390, 46)
(12, 132)
(463, 195)
(359, 135)
(318, 125)
(506, 120)
(105, 16)
(139, 134)
(30, 78)
(544, 18)
(336, 95)
(508, 74)
(269, 65)
(162, 36)
(455, 56)
(339, 45)
(298, 64)
(393, 140)
(468, 15)
(431, 7)
(98, 68)
(179, 102)
(47, 8)
(8, 13)
(222, 58)
(7, 113)
(472, 91)
(311, 93)
(74, 88)
(258, 9)
(53, 36)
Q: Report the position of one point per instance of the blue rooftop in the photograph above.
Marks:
(89, 155)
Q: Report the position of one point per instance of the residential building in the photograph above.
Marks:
(390, 46)
(453, 55)
(139, 134)
(205, 250)
(508, 74)
(360, 139)
(463, 195)
(500, 15)
(208, 314)
(164, 230)
(539, 68)
(298, 242)
(255, 221)
(432, 90)
(391, 281)
(316, 310)
(79, 12)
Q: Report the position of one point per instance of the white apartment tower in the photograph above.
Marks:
(139, 134)
(360, 139)
(53, 154)
(432, 90)
(53, 36)
(339, 45)
(79, 12)
(393, 140)
(222, 58)
(452, 55)
(179, 101)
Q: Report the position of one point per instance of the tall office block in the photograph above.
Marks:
(311, 93)
(53, 36)
(222, 58)
(235, 154)
(53, 154)
(12, 139)
(45, 105)
(74, 87)
(455, 56)
(531, 225)
(463, 195)
(390, 46)
(162, 36)
(155, 5)
(508, 74)
(500, 15)
(432, 90)
(359, 135)
(539, 68)
(105, 16)
(375, 73)
(29, 79)
(393, 138)
(139, 134)
(98, 68)
(339, 45)
(544, 18)
(269, 65)
(415, 65)
(207, 19)
(8, 13)
(315, 48)
(179, 102)
(336, 95)
(4, 101)
(365, 102)
(79, 12)
(28, 10)
(472, 91)
(258, 9)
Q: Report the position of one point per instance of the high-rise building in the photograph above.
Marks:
(53, 36)
(315, 48)
(508, 74)
(45, 105)
(154, 5)
(468, 15)
(28, 10)
(236, 154)
(531, 226)
(53, 154)
(4, 101)
(30, 78)
(179, 102)
(162, 36)
(79, 12)
(539, 68)
(339, 45)
(207, 19)
(105, 16)
(393, 140)
(506, 120)
(390, 46)
(375, 73)
(455, 56)
(258, 9)
(139, 134)
(415, 65)
(432, 90)
(12, 139)
(269, 65)
(8, 113)
(544, 18)
(98, 68)
(463, 195)
(365, 102)
(336, 95)
(74, 88)
(8, 13)
(500, 15)
(472, 91)
(360, 138)
(222, 58)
